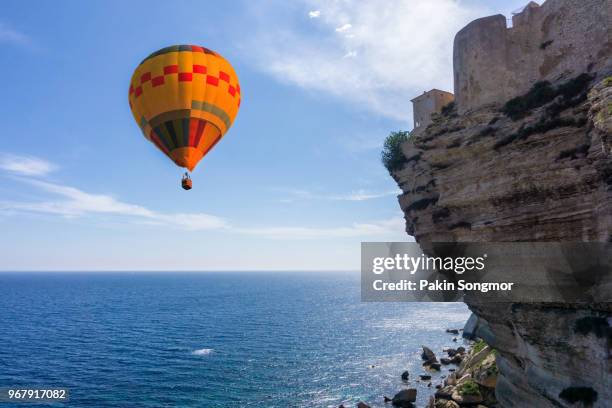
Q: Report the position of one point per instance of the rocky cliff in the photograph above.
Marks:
(559, 39)
(538, 168)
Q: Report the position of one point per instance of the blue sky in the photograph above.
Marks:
(296, 183)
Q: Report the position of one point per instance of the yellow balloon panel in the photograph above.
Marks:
(184, 98)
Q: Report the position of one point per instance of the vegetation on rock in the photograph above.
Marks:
(449, 109)
(543, 92)
(479, 345)
(392, 157)
(469, 387)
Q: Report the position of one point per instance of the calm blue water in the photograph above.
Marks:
(264, 339)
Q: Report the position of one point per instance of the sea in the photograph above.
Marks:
(222, 339)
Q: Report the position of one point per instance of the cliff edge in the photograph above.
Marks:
(537, 167)
(547, 176)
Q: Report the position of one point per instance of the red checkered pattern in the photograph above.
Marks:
(199, 69)
(145, 77)
(234, 91)
(171, 69)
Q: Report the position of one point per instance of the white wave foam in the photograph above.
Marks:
(202, 352)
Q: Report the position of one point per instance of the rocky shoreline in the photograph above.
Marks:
(461, 377)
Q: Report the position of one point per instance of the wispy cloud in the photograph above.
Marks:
(403, 46)
(314, 13)
(390, 229)
(11, 36)
(70, 202)
(25, 165)
(359, 195)
(362, 195)
(343, 28)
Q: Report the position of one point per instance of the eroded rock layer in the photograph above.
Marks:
(542, 172)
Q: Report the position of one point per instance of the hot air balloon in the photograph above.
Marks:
(184, 98)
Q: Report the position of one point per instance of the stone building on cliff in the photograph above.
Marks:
(425, 105)
(555, 41)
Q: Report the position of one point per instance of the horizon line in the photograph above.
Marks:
(174, 271)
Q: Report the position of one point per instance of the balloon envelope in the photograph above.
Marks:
(184, 98)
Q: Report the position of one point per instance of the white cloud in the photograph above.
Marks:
(8, 35)
(25, 165)
(314, 14)
(70, 202)
(350, 54)
(343, 28)
(391, 229)
(363, 195)
(359, 195)
(404, 48)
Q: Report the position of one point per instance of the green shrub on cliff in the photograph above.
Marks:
(448, 109)
(479, 345)
(469, 387)
(575, 86)
(392, 157)
(543, 92)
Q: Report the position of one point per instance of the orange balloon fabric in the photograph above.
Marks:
(184, 98)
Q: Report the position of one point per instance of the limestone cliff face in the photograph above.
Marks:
(461, 182)
(546, 176)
